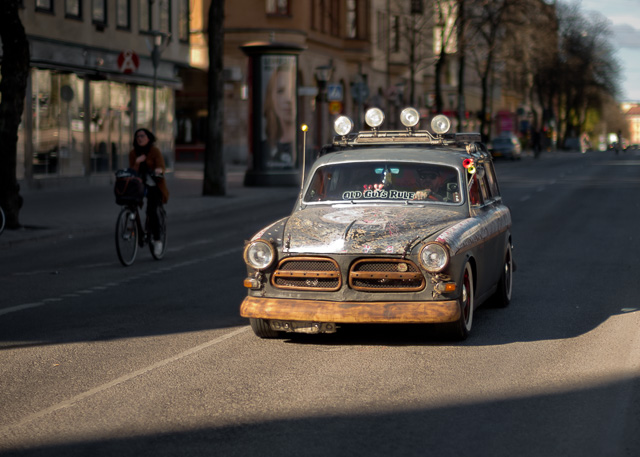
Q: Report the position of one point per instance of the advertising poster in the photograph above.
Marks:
(279, 108)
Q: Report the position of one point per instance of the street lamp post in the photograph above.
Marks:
(160, 41)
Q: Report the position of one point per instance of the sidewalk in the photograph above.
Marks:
(72, 211)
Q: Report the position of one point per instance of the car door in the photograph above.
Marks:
(494, 221)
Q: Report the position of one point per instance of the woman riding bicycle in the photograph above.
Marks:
(147, 160)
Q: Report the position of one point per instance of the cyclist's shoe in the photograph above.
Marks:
(157, 247)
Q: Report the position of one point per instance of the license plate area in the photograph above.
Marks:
(303, 327)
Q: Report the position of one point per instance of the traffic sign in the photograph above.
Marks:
(334, 92)
(335, 108)
(128, 62)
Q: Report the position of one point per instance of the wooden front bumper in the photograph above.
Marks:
(413, 312)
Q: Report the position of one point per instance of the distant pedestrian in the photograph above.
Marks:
(147, 160)
(536, 143)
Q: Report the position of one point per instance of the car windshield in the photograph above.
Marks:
(389, 181)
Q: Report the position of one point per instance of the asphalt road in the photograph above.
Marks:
(153, 360)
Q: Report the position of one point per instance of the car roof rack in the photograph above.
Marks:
(406, 137)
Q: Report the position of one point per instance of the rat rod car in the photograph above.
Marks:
(397, 227)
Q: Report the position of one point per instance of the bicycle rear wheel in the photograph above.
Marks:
(162, 222)
(127, 236)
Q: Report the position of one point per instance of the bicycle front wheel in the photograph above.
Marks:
(2, 221)
(127, 236)
(162, 222)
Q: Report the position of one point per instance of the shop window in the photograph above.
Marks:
(165, 106)
(45, 6)
(58, 128)
(73, 9)
(99, 12)
(123, 14)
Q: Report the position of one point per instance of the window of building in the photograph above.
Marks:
(73, 9)
(394, 37)
(352, 19)
(99, 11)
(144, 15)
(280, 7)
(123, 14)
(183, 20)
(382, 27)
(165, 16)
(44, 5)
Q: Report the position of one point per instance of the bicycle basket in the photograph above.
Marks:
(128, 188)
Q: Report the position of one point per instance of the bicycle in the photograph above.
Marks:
(131, 233)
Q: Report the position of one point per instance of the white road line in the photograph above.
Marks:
(123, 379)
(77, 293)
(13, 309)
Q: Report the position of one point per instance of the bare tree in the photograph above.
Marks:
(488, 22)
(589, 74)
(214, 176)
(446, 13)
(13, 84)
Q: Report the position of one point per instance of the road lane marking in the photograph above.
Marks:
(163, 269)
(13, 309)
(122, 379)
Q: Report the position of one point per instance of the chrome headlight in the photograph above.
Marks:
(409, 117)
(434, 257)
(440, 124)
(259, 254)
(374, 117)
(343, 125)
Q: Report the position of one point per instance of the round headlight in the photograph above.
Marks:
(409, 117)
(259, 254)
(343, 125)
(374, 117)
(440, 124)
(434, 257)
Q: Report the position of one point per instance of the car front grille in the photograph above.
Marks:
(385, 275)
(307, 273)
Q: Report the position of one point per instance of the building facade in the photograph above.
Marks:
(94, 81)
(355, 54)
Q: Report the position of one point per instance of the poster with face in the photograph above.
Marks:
(279, 109)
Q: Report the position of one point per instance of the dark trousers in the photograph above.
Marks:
(154, 200)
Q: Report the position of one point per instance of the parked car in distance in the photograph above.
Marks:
(392, 227)
(506, 146)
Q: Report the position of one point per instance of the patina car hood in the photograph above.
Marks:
(366, 229)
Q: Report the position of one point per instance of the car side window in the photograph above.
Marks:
(491, 180)
(484, 186)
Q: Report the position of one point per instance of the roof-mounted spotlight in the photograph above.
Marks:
(409, 117)
(374, 117)
(343, 125)
(440, 124)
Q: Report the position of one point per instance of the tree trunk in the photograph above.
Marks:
(13, 85)
(461, 67)
(438, 76)
(214, 176)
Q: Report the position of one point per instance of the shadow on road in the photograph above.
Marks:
(589, 421)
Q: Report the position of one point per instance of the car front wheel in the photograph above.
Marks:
(460, 329)
(262, 328)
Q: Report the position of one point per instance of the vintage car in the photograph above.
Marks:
(395, 227)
